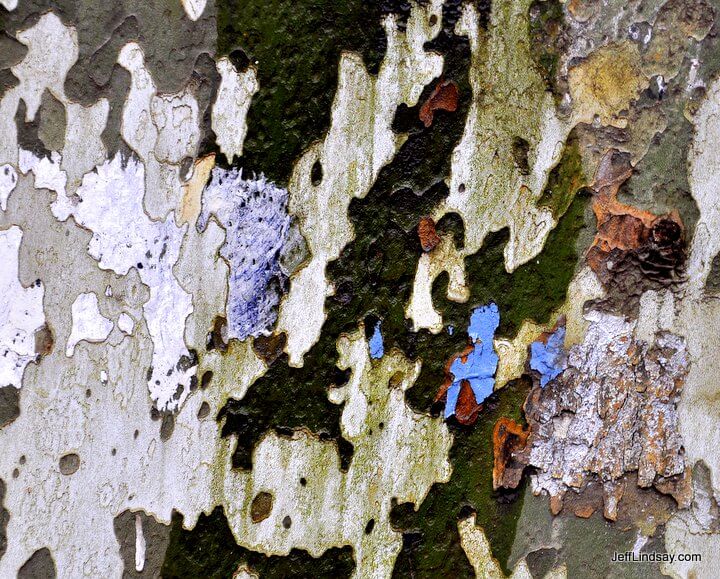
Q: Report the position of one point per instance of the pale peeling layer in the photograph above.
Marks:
(477, 548)
(398, 454)
(513, 137)
(231, 107)
(194, 8)
(109, 203)
(359, 143)
(698, 317)
(695, 530)
(8, 180)
(88, 323)
(488, 187)
(444, 257)
(21, 312)
(124, 237)
(95, 404)
(52, 50)
(161, 129)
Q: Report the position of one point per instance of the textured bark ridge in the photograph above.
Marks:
(613, 411)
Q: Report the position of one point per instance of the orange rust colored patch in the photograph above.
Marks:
(509, 440)
(443, 98)
(621, 226)
(449, 378)
(584, 511)
(427, 234)
(467, 408)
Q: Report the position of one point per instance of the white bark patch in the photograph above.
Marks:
(21, 313)
(88, 323)
(139, 544)
(194, 8)
(399, 453)
(8, 180)
(52, 50)
(231, 107)
(125, 237)
(161, 129)
(477, 548)
(126, 323)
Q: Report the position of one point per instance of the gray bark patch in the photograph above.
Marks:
(9, 405)
(69, 464)
(40, 565)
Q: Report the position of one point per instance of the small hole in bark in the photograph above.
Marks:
(316, 173)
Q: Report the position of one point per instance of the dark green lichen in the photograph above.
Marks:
(373, 275)
(565, 180)
(432, 546)
(297, 47)
(209, 550)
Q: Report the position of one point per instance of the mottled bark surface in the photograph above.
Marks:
(372, 289)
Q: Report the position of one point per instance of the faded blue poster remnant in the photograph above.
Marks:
(254, 215)
(480, 363)
(547, 356)
(376, 343)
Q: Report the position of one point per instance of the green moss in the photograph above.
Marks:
(297, 46)
(565, 180)
(209, 550)
(433, 548)
(548, 38)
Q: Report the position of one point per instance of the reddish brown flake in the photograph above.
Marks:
(449, 378)
(509, 442)
(633, 250)
(584, 511)
(556, 504)
(269, 348)
(427, 234)
(443, 98)
(467, 408)
(44, 341)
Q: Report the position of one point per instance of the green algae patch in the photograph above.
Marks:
(432, 543)
(209, 550)
(295, 47)
(565, 180)
(548, 39)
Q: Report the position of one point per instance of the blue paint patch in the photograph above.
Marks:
(450, 330)
(376, 343)
(548, 358)
(481, 363)
(254, 215)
